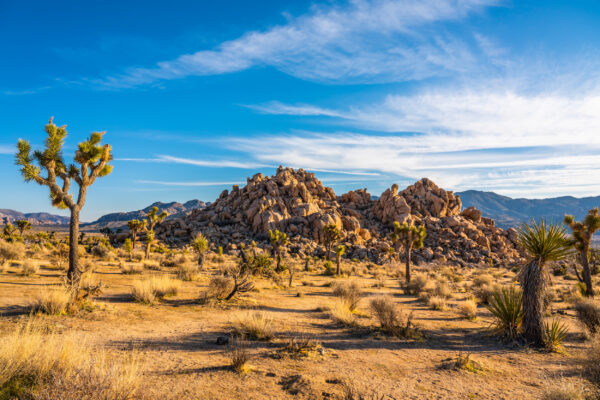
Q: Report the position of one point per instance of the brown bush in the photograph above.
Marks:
(350, 292)
(588, 314)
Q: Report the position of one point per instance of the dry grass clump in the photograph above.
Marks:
(592, 361)
(437, 303)
(152, 265)
(464, 362)
(39, 365)
(255, 326)
(132, 269)
(51, 301)
(303, 346)
(187, 272)
(565, 390)
(442, 289)
(29, 268)
(239, 355)
(483, 280)
(10, 252)
(148, 290)
(351, 292)
(588, 314)
(468, 309)
(485, 292)
(390, 318)
(340, 312)
(418, 284)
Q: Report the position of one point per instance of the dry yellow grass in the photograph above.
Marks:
(51, 301)
(29, 268)
(437, 303)
(131, 269)
(51, 365)
(340, 312)
(254, 325)
(157, 286)
(187, 272)
(468, 309)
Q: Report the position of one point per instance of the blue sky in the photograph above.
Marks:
(196, 96)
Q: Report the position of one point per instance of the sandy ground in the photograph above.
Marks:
(176, 341)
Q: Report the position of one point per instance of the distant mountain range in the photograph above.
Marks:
(35, 218)
(510, 212)
(507, 212)
(118, 220)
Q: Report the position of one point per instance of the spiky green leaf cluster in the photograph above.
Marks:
(331, 233)
(544, 240)
(409, 232)
(278, 238)
(340, 250)
(136, 225)
(155, 218)
(200, 244)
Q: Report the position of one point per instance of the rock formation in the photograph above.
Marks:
(296, 202)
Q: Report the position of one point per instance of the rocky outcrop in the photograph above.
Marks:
(296, 202)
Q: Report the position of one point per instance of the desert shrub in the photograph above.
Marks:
(418, 283)
(303, 346)
(350, 391)
(132, 269)
(29, 268)
(379, 280)
(465, 362)
(563, 390)
(148, 290)
(484, 293)
(152, 265)
(51, 301)
(483, 280)
(239, 355)
(329, 269)
(10, 251)
(340, 312)
(588, 314)
(137, 256)
(351, 292)
(592, 360)
(559, 270)
(554, 334)
(187, 272)
(468, 309)
(261, 265)
(390, 319)
(40, 365)
(437, 303)
(219, 286)
(255, 326)
(101, 251)
(443, 290)
(506, 305)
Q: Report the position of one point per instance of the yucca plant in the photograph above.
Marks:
(135, 226)
(507, 306)
(153, 218)
(200, 246)
(555, 334)
(543, 241)
(583, 233)
(339, 252)
(278, 241)
(331, 234)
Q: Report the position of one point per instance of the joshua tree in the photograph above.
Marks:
(413, 237)
(544, 242)
(200, 246)
(22, 226)
(582, 239)
(135, 226)
(339, 251)
(106, 231)
(278, 240)
(153, 219)
(128, 247)
(9, 232)
(331, 234)
(93, 162)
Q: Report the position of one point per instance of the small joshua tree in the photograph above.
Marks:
(544, 242)
(92, 159)
(339, 252)
(200, 246)
(22, 226)
(9, 232)
(106, 231)
(153, 218)
(412, 237)
(331, 234)
(135, 226)
(582, 239)
(278, 241)
(128, 247)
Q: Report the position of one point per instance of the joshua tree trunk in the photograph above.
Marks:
(408, 254)
(329, 252)
(201, 260)
(534, 286)
(587, 275)
(147, 255)
(74, 273)
(291, 275)
(307, 264)
(337, 272)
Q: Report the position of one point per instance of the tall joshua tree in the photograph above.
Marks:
(331, 234)
(339, 252)
(135, 226)
(278, 240)
(23, 225)
(582, 239)
(153, 218)
(91, 162)
(544, 242)
(412, 236)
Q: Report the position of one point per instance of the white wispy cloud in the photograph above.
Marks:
(7, 149)
(362, 40)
